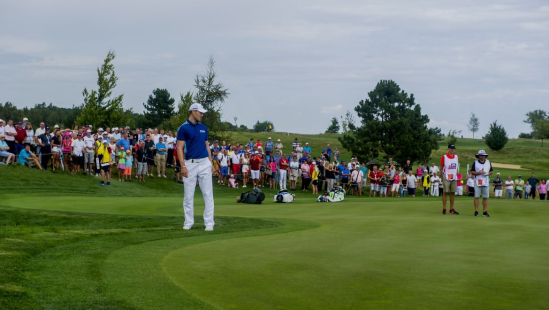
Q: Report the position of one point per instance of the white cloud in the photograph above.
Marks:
(20, 45)
(331, 109)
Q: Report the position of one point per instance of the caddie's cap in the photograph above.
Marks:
(451, 146)
(197, 107)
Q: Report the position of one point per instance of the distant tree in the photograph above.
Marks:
(211, 95)
(159, 107)
(348, 122)
(243, 128)
(452, 136)
(41, 112)
(496, 137)
(526, 135)
(185, 102)
(539, 121)
(474, 124)
(391, 123)
(99, 109)
(265, 126)
(230, 126)
(541, 130)
(334, 126)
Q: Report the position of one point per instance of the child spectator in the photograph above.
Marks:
(128, 164)
(121, 165)
(232, 182)
(383, 182)
(527, 189)
(542, 189)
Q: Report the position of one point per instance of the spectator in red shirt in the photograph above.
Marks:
(283, 164)
(375, 180)
(20, 136)
(255, 165)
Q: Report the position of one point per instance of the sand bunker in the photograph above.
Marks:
(508, 166)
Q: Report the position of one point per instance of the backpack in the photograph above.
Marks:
(254, 196)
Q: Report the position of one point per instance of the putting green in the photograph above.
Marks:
(369, 253)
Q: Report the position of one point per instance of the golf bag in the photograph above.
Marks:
(284, 197)
(336, 194)
(254, 196)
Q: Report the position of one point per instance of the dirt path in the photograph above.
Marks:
(516, 167)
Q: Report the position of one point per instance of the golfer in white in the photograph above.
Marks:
(197, 164)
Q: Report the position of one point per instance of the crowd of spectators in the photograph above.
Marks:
(128, 153)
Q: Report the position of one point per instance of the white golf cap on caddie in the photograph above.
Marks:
(197, 107)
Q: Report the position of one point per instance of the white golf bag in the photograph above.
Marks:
(336, 194)
(284, 197)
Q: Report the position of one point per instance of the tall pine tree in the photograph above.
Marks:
(159, 107)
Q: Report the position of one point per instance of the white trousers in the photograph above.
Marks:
(203, 172)
(434, 190)
(283, 175)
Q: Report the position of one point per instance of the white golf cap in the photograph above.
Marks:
(56, 126)
(105, 133)
(269, 137)
(100, 129)
(90, 126)
(197, 107)
(25, 119)
(89, 130)
(1, 120)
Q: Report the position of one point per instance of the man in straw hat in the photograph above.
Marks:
(481, 170)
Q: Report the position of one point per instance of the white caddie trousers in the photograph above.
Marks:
(203, 172)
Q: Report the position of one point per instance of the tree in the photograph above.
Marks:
(496, 137)
(539, 121)
(452, 136)
(473, 124)
(265, 126)
(391, 123)
(185, 102)
(334, 126)
(541, 130)
(211, 95)
(159, 107)
(525, 135)
(348, 122)
(99, 109)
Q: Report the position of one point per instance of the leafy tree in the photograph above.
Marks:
(185, 102)
(159, 107)
(539, 121)
(243, 128)
(526, 135)
(41, 112)
(265, 126)
(391, 123)
(211, 95)
(334, 126)
(99, 108)
(541, 130)
(496, 137)
(474, 124)
(452, 136)
(347, 122)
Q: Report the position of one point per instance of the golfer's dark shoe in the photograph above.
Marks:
(485, 214)
(476, 213)
(101, 183)
(443, 212)
(454, 212)
(108, 183)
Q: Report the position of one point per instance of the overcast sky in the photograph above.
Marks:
(295, 63)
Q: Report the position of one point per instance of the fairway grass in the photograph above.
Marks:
(375, 253)
(122, 247)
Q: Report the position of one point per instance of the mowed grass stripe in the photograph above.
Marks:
(392, 261)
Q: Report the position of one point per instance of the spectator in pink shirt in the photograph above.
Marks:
(542, 189)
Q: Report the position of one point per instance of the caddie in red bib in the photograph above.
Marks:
(450, 168)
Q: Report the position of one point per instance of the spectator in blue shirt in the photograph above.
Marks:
(340, 168)
(307, 148)
(124, 142)
(327, 152)
(160, 159)
(26, 156)
(269, 145)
